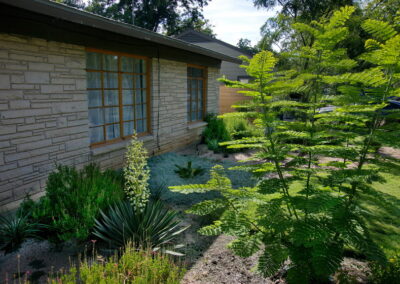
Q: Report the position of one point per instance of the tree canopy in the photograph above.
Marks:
(167, 16)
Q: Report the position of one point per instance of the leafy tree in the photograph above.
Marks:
(80, 4)
(305, 207)
(192, 20)
(245, 44)
(382, 10)
(154, 15)
(277, 32)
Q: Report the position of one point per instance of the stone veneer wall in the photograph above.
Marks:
(44, 117)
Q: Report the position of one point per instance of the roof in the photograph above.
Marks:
(84, 18)
(191, 35)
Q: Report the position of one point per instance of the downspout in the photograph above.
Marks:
(159, 98)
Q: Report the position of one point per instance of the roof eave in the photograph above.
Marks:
(77, 16)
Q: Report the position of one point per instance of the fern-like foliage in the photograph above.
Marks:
(302, 208)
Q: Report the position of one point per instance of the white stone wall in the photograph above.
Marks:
(43, 113)
(44, 117)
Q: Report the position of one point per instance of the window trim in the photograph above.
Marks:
(205, 95)
(120, 105)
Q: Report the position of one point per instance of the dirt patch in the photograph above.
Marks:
(390, 152)
(219, 265)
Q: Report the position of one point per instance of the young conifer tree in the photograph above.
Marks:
(312, 169)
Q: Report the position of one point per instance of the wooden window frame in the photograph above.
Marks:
(189, 92)
(120, 106)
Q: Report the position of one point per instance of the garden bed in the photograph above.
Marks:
(206, 258)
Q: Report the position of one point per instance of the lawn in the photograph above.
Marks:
(384, 210)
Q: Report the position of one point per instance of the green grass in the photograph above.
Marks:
(136, 267)
(384, 210)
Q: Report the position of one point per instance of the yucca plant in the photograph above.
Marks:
(188, 171)
(15, 230)
(153, 227)
(303, 209)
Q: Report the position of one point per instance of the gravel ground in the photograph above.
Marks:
(34, 260)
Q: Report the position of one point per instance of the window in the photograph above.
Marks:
(197, 86)
(118, 95)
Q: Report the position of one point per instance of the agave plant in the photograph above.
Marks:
(189, 171)
(155, 227)
(15, 230)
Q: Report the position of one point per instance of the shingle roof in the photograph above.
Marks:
(195, 36)
(73, 15)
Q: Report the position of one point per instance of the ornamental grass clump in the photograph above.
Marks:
(136, 174)
(14, 230)
(304, 208)
(134, 267)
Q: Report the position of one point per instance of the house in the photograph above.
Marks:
(74, 86)
(230, 70)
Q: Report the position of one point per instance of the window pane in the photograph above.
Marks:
(110, 62)
(200, 88)
(96, 116)
(140, 81)
(194, 90)
(111, 97)
(112, 131)
(127, 64)
(194, 106)
(200, 115)
(190, 72)
(110, 80)
(144, 110)
(94, 97)
(128, 128)
(140, 96)
(140, 126)
(193, 118)
(144, 125)
(139, 111)
(127, 81)
(111, 114)
(93, 60)
(93, 80)
(140, 66)
(128, 113)
(96, 134)
(127, 97)
(197, 72)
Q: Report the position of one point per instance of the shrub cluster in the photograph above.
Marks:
(228, 128)
(72, 201)
(386, 274)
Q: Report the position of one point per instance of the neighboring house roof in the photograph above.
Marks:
(230, 70)
(193, 36)
(82, 18)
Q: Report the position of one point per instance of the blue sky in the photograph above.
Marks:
(235, 19)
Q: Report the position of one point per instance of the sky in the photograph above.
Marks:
(235, 19)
